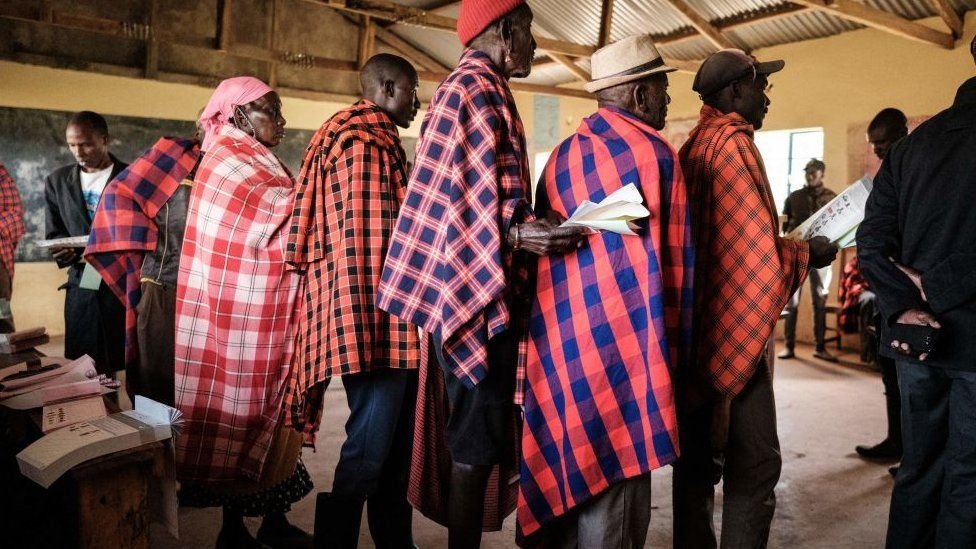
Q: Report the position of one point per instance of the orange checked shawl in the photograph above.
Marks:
(745, 271)
(349, 191)
(235, 305)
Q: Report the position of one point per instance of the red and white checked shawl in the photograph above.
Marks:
(352, 183)
(11, 220)
(744, 272)
(234, 310)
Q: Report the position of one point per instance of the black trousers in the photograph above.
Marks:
(934, 500)
(94, 324)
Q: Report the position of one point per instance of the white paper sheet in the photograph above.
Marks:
(839, 219)
(614, 213)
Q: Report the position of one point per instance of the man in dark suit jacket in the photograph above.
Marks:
(94, 319)
(915, 247)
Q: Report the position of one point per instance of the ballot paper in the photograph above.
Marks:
(840, 218)
(67, 242)
(615, 213)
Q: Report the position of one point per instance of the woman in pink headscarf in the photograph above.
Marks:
(234, 322)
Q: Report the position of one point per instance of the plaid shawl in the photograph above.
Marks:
(11, 220)
(352, 182)
(610, 322)
(448, 266)
(124, 228)
(745, 272)
(234, 310)
(852, 285)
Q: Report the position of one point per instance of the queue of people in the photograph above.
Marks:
(494, 359)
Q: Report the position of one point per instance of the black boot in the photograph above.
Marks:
(234, 533)
(390, 522)
(466, 505)
(337, 521)
(277, 532)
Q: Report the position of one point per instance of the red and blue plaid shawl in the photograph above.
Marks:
(610, 324)
(123, 229)
(11, 220)
(448, 268)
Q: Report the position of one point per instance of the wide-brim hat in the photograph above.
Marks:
(626, 60)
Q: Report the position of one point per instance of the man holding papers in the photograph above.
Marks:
(611, 320)
(744, 274)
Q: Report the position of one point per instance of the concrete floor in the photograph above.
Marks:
(827, 497)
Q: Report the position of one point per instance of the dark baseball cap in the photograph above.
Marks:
(726, 66)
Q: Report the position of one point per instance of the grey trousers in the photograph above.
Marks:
(617, 518)
(819, 289)
(749, 467)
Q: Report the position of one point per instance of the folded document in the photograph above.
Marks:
(615, 213)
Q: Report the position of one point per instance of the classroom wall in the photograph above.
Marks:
(837, 83)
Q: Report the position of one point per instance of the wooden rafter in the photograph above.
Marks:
(881, 20)
(569, 64)
(224, 8)
(606, 22)
(276, 11)
(152, 44)
(702, 25)
(408, 50)
(949, 15)
(367, 33)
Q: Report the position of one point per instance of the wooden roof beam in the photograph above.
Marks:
(367, 33)
(881, 20)
(702, 25)
(409, 51)
(570, 65)
(949, 15)
(606, 23)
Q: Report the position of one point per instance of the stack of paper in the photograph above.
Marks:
(615, 213)
(66, 242)
(840, 218)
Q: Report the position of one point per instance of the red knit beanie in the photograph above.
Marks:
(476, 15)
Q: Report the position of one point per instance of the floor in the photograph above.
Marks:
(827, 497)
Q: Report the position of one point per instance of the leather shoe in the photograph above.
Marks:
(824, 354)
(786, 353)
(886, 449)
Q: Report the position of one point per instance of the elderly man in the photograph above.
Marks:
(94, 319)
(587, 456)
(800, 205)
(11, 229)
(350, 188)
(915, 248)
(458, 267)
(135, 244)
(887, 127)
(745, 273)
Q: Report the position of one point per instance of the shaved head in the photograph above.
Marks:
(391, 83)
(382, 68)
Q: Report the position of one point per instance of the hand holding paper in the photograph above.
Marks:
(614, 213)
(839, 219)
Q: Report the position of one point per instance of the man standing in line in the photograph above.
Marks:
(458, 268)
(94, 319)
(915, 247)
(887, 127)
(587, 457)
(11, 229)
(349, 191)
(800, 205)
(744, 273)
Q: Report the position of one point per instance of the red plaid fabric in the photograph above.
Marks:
(234, 310)
(448, 268)
(610, 323)
(123, 229)
(745, 272)
(11, 220)
(852, 285)
(352, 182)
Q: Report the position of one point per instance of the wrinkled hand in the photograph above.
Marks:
(822, 252)
(915, 317)
(544, 236)
(915, 277)
(64, 255)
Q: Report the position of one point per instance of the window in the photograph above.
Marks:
(785, 153)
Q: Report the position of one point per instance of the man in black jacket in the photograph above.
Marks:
(915, 247)
(94, 319)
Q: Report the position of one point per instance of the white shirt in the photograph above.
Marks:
(92, 185)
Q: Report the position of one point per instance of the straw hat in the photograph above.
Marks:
(632, 58)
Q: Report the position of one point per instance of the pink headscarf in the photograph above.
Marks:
(231, 93)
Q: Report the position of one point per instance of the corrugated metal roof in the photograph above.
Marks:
(578, 21)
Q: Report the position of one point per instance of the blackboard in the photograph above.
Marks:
(32, 146)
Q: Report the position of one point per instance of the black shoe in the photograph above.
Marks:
(786, 353)
(337, 521)
(893, 470)
(824, 354)
(884, 450)
(238, 540)
(277, 532)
